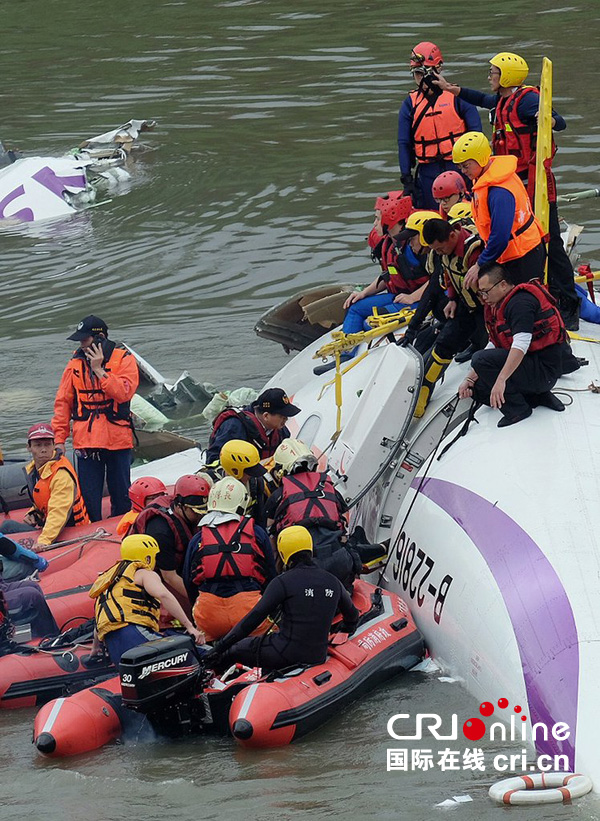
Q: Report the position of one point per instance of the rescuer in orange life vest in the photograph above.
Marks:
(526, 353)
(514, 111)
(53, 487)
(501, 211)
(429, 123)
(94, 394)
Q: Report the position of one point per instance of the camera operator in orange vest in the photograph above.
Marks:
(53, 487)
(429, 123)
(514, 109)
(526, 353)
(94, 394)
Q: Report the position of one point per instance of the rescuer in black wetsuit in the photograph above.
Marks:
(308, 599)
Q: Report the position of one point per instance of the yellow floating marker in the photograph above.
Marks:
(543, 151)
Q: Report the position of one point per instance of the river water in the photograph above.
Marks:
(276, 129)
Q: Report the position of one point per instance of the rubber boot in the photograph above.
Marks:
(434, 369)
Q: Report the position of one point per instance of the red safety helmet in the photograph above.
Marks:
(191, 489)
(144, 487)
(447, 184)
(394, 207)
(426, 54)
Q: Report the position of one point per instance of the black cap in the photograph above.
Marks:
(89, 326)
(255, 470)
(407, 233)
(275, 400)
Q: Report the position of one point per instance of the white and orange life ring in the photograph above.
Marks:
(540, 788)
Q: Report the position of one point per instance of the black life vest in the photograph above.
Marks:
(228, 551)
(308, 498)
(548, 327)
(182, 532)
(455, 267)
(255, 433)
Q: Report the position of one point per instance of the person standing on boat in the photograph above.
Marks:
(228, 563)
(458, 248)
(263, 423)
(429, 123)
(172, 521)
(53, 487)
(128, 597)
(524, 356)
(501, 211)
(94, 395)
(514, 109)
(307, 599)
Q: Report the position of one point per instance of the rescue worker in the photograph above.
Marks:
(263, 423)
(53, 487)
(514, 110)
(24, 599)
(403, 281)
(94, 395)
(429, 123)
(229, 562)
(449, 189)
(128, 597)
(391, 213)
(502, 212)
(241, 460)
(172, 521)
(141, 493)
(524, 357)
(307, 598)
(306, 496)
(458, 249)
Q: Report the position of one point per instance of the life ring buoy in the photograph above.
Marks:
(540, 788)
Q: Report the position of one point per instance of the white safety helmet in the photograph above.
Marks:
(228, 496)
(292, 455)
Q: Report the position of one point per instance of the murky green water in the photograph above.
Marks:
(277, 127)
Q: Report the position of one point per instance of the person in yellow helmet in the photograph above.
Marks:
(128, 597)
(502, 212)
(308, 599)
(514, 110)
(241, 460)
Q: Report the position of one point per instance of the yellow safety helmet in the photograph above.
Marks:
(293, 540)
(292, 453)
(417, 220)
(462, 213)
(140, 548)
(229, 496)
(473, 145)
(513, 69)
(238, 457)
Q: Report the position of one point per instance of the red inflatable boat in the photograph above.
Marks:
(165, 681)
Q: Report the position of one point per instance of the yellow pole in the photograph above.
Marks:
(594, 276)
(544, 149)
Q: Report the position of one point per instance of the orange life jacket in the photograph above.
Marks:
(124, 525)
(548, 327)
(40, 494)
(526, 233)
(436, 126)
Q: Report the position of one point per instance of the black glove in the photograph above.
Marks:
(408, 338)
(409, 185)
(210, 658)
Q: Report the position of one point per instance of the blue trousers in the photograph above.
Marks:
(27, 605)
(92, 468)
(357, 313)
(127, 637)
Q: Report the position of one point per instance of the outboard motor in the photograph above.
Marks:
(163, 680)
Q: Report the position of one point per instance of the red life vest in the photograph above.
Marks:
(511, 135)
(548, 327)
(309, 498)
(256, 434)
(182, 532)
(229, 551)
(400, 275)
(436, 126)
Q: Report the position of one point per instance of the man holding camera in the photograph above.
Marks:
(94, 393)
(429, 123)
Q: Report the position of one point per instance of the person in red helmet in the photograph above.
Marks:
(448, 189)
(429, 123)
(395, 207)
(141, 493)
(172, 521)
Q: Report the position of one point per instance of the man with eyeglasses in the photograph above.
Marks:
(514, 110)
(526, 353)
(430, 120)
